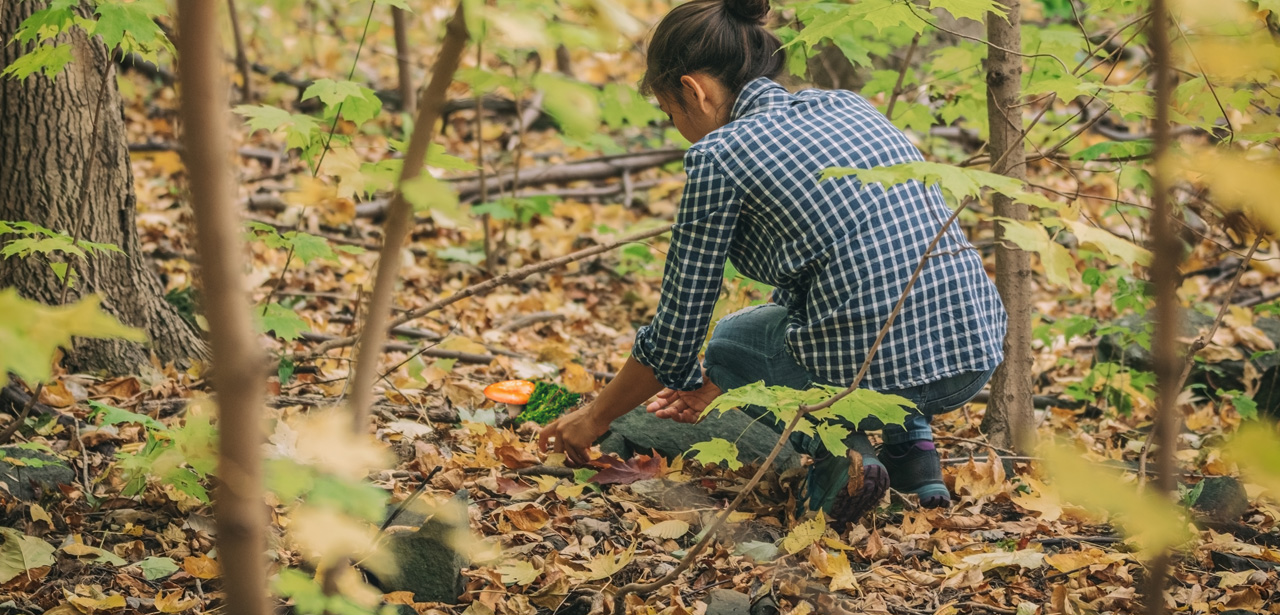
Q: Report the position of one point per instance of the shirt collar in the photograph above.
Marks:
(756, 96)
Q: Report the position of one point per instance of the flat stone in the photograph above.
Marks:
(24, 472)
(639, 432)
(426, 563)
(727, 602)
(1222, 498)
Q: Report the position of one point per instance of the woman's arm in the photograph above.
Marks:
(575, 432)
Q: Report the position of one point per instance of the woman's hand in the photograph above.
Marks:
(574, 434)
(684, 406)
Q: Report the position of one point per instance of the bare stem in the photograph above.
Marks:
(88, 177)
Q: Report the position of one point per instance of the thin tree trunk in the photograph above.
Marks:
(48, 138)
(1008, 420)
(1165, 352)
(399, 213)
(408, 95)
(238, 361)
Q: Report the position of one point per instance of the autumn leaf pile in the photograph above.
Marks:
(132, 537)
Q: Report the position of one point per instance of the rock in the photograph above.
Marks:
(727, 602)
(640, 432)
(1222, 498)
(426, 563)
(24, 471)
(1225, 375)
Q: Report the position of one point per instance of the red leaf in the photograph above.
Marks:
(615, 471)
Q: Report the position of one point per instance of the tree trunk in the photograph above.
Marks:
(1008, 421)
(48, 143)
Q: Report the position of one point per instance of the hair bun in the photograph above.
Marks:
(753, 11)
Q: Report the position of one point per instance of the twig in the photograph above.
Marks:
(88, 177)
(801, 413)
(13, 427)
(993, 447)
(529, 320)
(399, 213)
(560, 472)
(1198, 345)
(333, 128)
(484, 186)
(975, 39)
(906, 65)
(242, 59)
(266, 303)
(426, 480)
(514, 275)
(408, 96)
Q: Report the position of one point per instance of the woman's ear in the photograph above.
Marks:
(695, 92)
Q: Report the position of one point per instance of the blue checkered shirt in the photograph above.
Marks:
(838, 253)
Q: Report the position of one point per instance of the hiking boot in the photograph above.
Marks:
(846, 488)
(915, 467)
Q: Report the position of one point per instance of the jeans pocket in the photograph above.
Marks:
(959, 389)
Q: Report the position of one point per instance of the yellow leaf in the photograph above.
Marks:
(1025, 558)
(30, 332)
(1239, 183)
(173, 602)
(606, 565)
(1044, 501)
(805, 534)
(201, 566)
(527, 517)
(671, 528)
(577, 379)
(836, 566)
(1257, 450)
(545, 482)
(518, 572)
(38, 514)
(310, 192)
(462, 344)
(1152, 521)
(1070, 561)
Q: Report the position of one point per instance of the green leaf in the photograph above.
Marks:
(461, 255)
(717, 450)
(914, 116)
(573, 104)
(27, 246)
(46, 23)
(437, 157)
(49, 59)
(31, 332)
(972, 9)
(622, 104)
(299, 129)
(358, 103)
(1115, 149)
(400, 4)
(832, 436)
(154, 568)
(1117, 249)
(307, 247)
(112, 415)
(1032, 237)
(284, 322)
(956, 181)
(120, 21)
(861, 404)
(21, 553)
(756, 550)
(428, 194)
(754, 394)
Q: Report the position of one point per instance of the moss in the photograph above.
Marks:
(548, 402)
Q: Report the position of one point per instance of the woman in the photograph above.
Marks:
(838, 253)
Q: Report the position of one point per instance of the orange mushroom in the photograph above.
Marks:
(514, 392)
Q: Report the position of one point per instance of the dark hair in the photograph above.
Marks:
(726, 39)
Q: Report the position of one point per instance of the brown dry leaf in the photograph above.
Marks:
(975, 482)
(1068, 561)
(201, 566)
(577, 379)
(56, 394)
(516, 458)
(527, 517)
(173, 602)
(671, 528)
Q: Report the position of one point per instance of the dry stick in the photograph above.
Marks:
(239, 374)
(1164, 276)
(1198, 345)
(902, 74)
(242, 59)
(408, 96)
(399, 213)
(484, 186)
(802, 411)
(279, 283)
(509, 277)
(88, 176)
(22, 416)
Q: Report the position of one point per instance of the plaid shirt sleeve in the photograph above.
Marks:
(692, 275)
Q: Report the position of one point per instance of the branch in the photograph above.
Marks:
(399, 216)
(803, 411)
(902, 74)
(514, 275)
(239, 373)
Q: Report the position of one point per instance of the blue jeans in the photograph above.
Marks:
(749, 346)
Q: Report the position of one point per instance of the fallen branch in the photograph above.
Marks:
(171, 406)
(619, 599)
(529, 320)
(514, 275)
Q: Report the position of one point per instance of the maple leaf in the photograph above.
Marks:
(717, 450)
(615, 471)
(30, 332)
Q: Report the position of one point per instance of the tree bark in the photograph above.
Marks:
(408, 95)
(48, 134)
(1008, 420)
(239, 376)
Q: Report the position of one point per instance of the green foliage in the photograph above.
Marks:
(34, 239)
(181, 457)
(125, 26)
(21, 553)
(309, 597)
(717, 450)
(111, 415)
(460, 254)
(305, 246)
(156, 568)
(354, 102)
(48, 59)
(31, 332)
(284, 322)
(547, 402)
